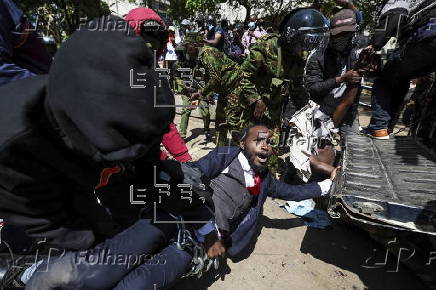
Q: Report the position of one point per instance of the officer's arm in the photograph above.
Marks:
(212, 78)
(249, 69)
(314, 81)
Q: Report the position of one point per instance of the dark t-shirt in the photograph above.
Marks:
(211, 36)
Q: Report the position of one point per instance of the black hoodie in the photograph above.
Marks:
(58, 132)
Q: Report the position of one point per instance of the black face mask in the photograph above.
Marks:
(342, 42)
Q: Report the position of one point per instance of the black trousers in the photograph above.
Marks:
(136, 258)
(390, 88)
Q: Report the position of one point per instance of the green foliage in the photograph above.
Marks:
(178, 10)
(369, 9)
(277, 9)
(201, 6)
(60, 18)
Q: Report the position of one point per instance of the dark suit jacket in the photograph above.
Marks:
(216, 161)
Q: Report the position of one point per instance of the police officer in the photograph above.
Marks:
(275, 66)
(187, 83)
(222, 77)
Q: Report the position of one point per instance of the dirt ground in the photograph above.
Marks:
(289, 255)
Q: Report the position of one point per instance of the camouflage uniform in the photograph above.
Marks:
(272, 74)
(203, 106)
(184, 85)
(222, 77)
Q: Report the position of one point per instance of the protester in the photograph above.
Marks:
(22, 53)
(236, 49)
(60, 132)
(241, 182)
(330, 71)
(215, 34)
(170, 54)
(155, 35)
(250, 36)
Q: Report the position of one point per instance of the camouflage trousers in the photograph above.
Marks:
(203, 106)
(229, 113)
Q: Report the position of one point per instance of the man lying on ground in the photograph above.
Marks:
(241, 182)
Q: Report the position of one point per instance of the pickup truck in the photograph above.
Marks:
(388, 188)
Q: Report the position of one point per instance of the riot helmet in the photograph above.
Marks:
(304, 28)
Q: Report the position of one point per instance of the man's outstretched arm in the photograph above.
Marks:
(281, 190)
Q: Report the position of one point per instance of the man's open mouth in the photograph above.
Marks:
(262, 157)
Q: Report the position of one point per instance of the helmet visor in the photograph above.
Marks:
(310, 41)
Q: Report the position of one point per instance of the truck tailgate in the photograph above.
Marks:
(389, 183)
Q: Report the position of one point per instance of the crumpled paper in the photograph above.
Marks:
(308, 126)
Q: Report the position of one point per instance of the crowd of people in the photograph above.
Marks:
(82, 170)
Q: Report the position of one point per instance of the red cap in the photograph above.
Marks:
(138, 16)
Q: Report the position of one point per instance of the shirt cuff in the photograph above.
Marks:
(204, 230)
(325, 186)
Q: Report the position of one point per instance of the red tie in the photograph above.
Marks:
(106, 174)
(255, 190)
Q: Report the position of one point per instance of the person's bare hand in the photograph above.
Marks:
(334, 173)
(259, 109)
(369, 49)
(216, 250)
(351, 77)
(327, 155)
(195, 96)
(214, 246)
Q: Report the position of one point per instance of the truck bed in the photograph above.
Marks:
(389, 183)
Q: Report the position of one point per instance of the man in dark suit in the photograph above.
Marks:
(241, 182)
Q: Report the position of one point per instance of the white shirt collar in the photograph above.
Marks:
(248, 171)
(244, 162)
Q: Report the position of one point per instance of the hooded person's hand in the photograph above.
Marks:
(351, 77)
(370, 49)
(214, 246)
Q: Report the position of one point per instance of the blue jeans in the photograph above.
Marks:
(390, 88)
(136, 258)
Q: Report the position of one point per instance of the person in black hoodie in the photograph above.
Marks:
(330, 70)
(59, 131)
